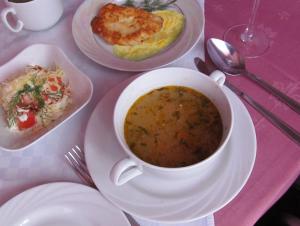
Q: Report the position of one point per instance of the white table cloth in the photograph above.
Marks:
(44, 162)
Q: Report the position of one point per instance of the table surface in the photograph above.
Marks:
(278, 159)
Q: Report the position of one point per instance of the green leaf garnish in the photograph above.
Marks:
(150, 5)
(35, 90)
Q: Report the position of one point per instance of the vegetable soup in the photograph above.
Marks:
(173, 126)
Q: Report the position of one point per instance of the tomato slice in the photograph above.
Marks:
(53, 88)
(45, 97)
(59, 80)
(31, 120)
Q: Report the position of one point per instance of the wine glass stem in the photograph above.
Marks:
(247, 35)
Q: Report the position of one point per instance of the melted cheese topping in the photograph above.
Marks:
(172, 27)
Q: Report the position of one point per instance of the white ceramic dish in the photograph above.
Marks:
(32, 15)
(61, 204)
(211, 86)
(46, 56)
(177, 200)
(100, 53)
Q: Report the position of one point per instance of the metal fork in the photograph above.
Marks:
(76, 160)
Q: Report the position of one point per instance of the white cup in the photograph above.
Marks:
(211, 86)
(33, 15)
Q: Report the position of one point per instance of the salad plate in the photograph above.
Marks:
(101, 53)
(47, 56)
(61, 204)
(160, 199)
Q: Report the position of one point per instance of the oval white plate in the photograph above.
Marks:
(169, 200)
(45, 56)
(58, 204)
(100, 53)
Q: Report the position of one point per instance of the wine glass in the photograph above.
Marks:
(247, 38)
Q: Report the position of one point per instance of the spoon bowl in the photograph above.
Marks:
(231, 62)
(225, 57)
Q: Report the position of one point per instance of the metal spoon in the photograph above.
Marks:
(293, 134)
(228, 60)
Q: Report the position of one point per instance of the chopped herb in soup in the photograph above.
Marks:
(173, 126)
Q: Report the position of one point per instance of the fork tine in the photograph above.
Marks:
(79, 153)
(79, 162)
(77, 171)
(76, 146)
(80, 166)
(76, 159)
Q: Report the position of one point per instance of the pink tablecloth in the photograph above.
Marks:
(278, 159)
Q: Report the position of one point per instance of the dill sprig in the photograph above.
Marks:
(11, 110)
(129, 3)
(45, 115)
(150, 5)
(35, 89)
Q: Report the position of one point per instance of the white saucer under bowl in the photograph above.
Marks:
(58, 204)
(170, 201)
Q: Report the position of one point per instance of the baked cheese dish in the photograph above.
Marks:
(136, 34)
(124, 25)
(34, 99)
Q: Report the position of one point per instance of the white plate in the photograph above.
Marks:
(154, 198)
(59, 204)
(46, 56)
(100, 53)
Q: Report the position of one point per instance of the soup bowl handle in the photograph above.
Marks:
(218, 77)
(125, 170)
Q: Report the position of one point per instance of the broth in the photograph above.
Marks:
(173, 126)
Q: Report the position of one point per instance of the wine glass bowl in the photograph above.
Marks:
(252, 47)
(248, 39)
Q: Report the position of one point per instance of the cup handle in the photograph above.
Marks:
(4, 14)
(125, 170)
(218, 76)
